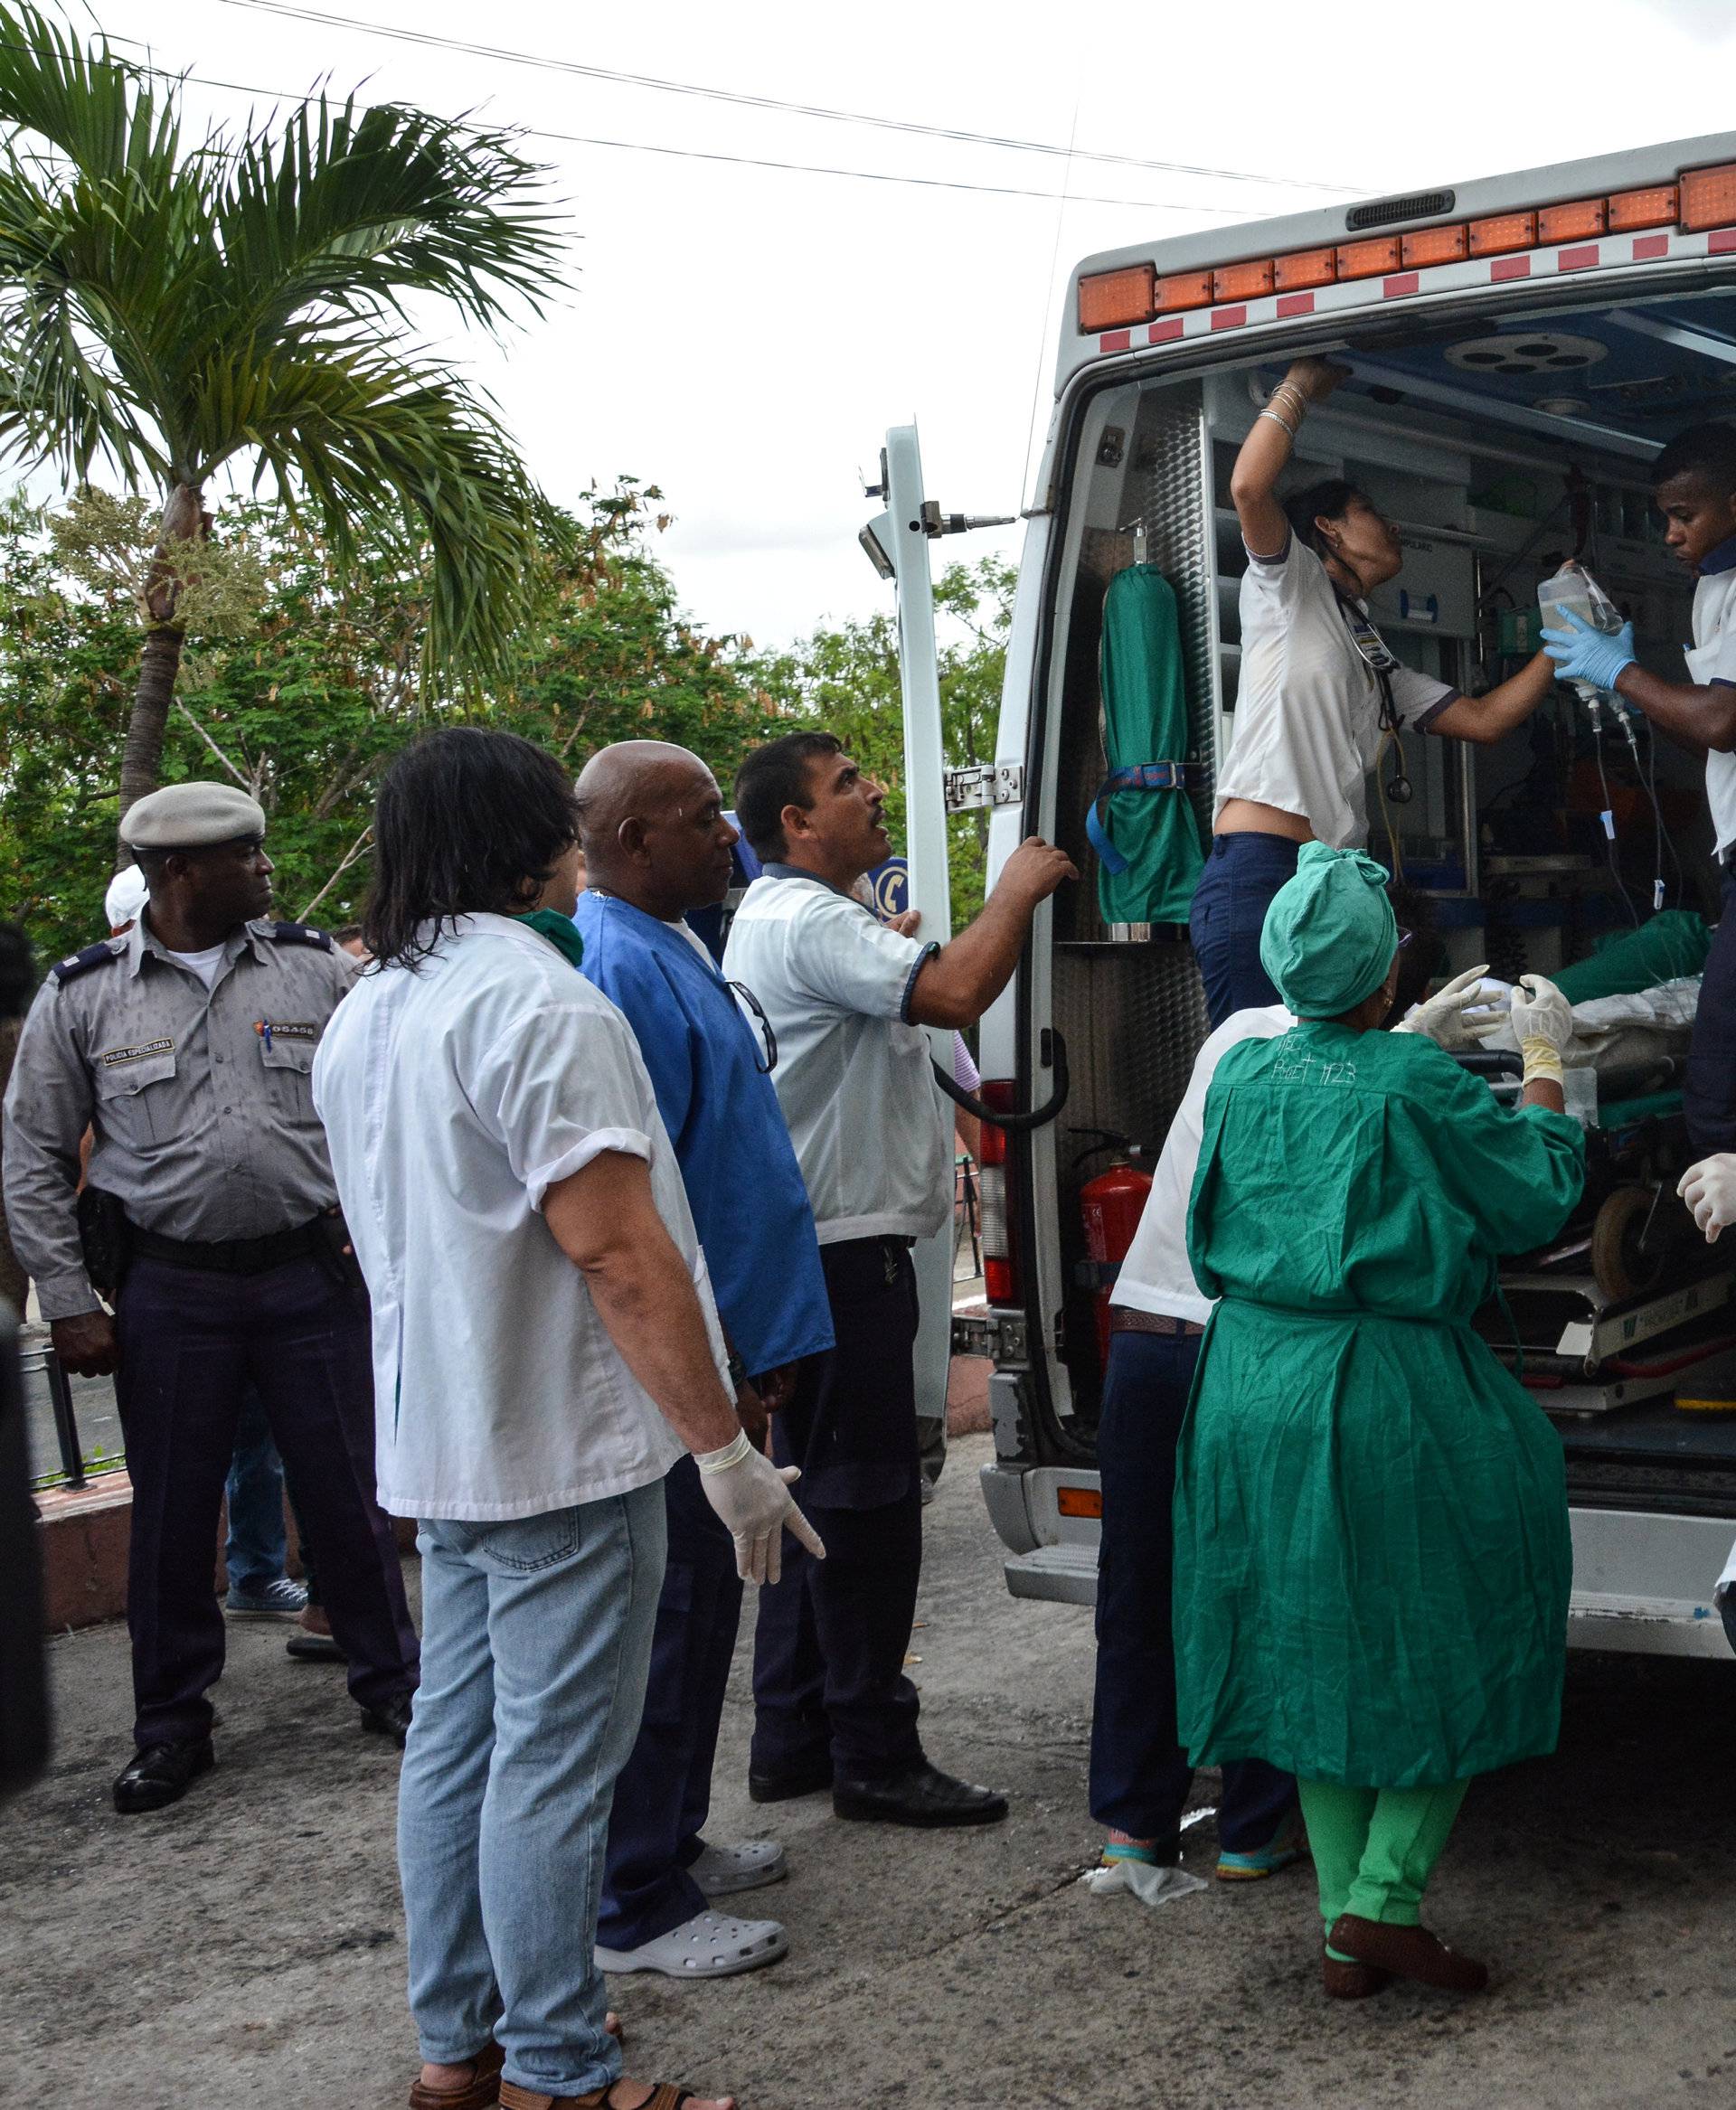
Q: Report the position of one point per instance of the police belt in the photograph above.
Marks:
(228, 1256)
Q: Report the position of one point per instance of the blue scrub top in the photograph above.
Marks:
(743, 1185)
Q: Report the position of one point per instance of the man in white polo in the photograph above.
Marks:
(844, 995)
(545, 1347)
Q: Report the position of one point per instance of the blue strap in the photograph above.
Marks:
(1141, 777)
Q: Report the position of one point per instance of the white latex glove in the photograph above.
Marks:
(1709, 1188)
(1442, 1015)
(752, 1497)
(1541, 1012)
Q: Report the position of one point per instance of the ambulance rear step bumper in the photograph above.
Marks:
(1064, 1574)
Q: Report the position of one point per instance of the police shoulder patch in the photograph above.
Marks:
(297, 934)
(93, 955)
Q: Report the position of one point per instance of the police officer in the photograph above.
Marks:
(211, 1217)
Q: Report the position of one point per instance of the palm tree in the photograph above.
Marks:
(246, 302)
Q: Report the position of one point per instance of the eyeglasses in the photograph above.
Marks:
(1405, 937)
(764, 1036)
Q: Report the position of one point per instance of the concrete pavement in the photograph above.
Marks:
(247, 1949)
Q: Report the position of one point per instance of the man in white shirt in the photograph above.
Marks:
(1139, 1774)
(845, 996)
(545, 1347)
(1694, 488)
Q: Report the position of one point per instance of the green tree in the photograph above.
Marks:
(305, 677)
(845, 678)
(242, 302)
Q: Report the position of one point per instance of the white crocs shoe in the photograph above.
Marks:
(723, 1868)
(710, 1945)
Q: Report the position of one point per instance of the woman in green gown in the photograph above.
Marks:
(1372, 1551)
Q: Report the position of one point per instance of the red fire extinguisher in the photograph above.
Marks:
(1109, 1208)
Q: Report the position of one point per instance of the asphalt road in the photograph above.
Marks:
(246, 1948)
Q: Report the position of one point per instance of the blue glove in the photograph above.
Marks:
(1589, 655)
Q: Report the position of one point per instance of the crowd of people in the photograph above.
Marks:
(515, 1213)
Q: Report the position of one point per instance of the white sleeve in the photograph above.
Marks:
(850, 960)
(1419, 699)
(558, 1087)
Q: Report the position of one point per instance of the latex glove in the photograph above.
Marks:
(751, 1496)
(1584, 654)
(1541, 1012)
(1442, 1015)
(1709, 1188)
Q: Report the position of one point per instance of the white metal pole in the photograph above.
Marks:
(925, 795)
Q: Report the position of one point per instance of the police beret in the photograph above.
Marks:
(186, 816)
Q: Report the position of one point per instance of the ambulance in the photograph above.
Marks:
(1519, 348)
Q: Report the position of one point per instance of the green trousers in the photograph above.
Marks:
(1375, 1848)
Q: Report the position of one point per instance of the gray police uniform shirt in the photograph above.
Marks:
(200, 1102)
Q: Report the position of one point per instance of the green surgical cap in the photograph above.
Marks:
(1330, 933)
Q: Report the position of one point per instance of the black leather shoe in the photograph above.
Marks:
(161, 1774)
(789, 1781)
(921, 1794)
(390, 1719)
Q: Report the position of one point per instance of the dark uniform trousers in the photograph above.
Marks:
(1140, 1777)
(190, 1341)
(832, 1635)
(1709, 1087)
(664, 1790)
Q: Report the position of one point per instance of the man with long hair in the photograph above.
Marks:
(545, 1348)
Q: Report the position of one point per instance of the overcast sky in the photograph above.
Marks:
(742, 336)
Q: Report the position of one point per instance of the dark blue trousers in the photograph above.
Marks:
(664, 1789)
(829, 1648)
(1140, 1776)
(188, 1344)
(1229, 912)
(1709, 1088)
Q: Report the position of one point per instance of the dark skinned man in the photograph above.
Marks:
(210, 1217)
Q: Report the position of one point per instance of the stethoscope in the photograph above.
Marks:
(1376, 655)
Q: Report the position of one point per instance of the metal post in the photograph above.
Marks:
(919, 672)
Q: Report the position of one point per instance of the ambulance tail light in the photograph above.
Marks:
(1503, 233)
(1709, 197)
(1574, 222)
(1001, 1273)
(1631, 209)
(1184, 289)
(1242, 281)
(1370, 259)
(1113, 300)
(1304, 268)
(1434, 245)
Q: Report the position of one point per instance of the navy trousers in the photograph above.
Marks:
(188, 1344)
(1236, 887)
(1140, 1777)
(664, 1789)
(831, 1636)
(1709, 1088)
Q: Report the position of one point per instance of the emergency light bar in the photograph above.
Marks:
(1699, 198)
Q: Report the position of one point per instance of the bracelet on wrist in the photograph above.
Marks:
(1276, 419)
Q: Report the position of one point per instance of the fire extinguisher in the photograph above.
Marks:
(1109, 1207)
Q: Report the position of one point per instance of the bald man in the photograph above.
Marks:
(657, 844)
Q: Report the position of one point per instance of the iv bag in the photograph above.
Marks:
(1573, 587)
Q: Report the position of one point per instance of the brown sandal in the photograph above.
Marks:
(482, 2092)
(1408, 1952)
(663, 2096)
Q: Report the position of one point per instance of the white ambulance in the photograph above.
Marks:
(1519, 349)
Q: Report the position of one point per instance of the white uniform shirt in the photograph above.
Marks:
(1307, 717)
(453, 1098)
(1711, 657)
(853, 1074)
(1156, 1276)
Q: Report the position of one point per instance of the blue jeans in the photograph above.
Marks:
(1242, 875)
(1140, 1776)
(256, 1549)
(536, 1638)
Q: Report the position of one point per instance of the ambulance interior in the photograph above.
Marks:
(1501, 443)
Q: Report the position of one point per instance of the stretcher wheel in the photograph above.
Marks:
(1620, 1266)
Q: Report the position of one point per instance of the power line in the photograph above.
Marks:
(863, 176)
(543, 62)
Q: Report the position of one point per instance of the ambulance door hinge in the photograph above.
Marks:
(987, 784)
(1000, 1334)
